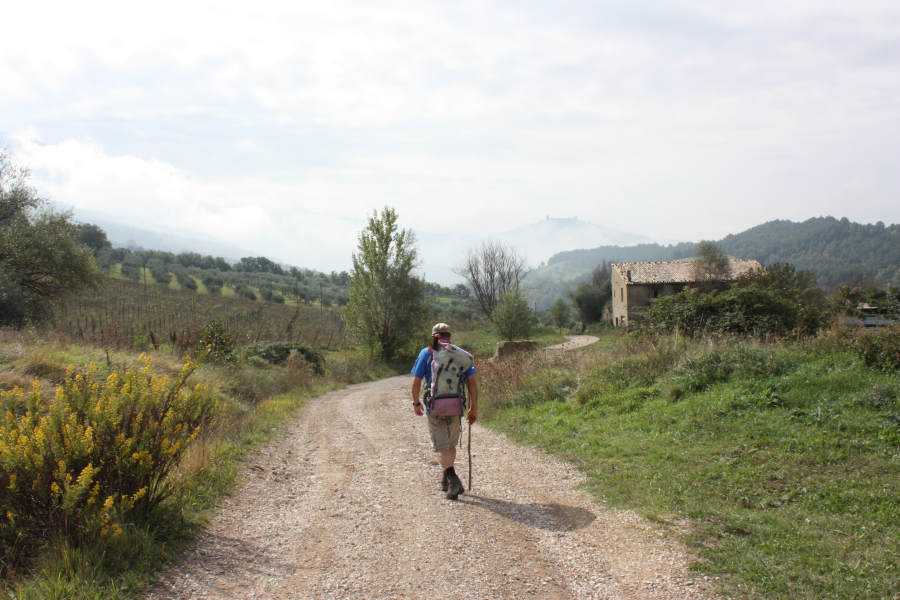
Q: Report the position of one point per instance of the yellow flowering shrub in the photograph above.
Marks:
(79, 463)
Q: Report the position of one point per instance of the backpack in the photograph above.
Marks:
(447, 392)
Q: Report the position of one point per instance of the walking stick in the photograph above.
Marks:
(469, 448)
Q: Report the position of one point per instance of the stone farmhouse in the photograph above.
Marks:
(635, 285)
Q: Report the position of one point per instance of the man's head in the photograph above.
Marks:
(441, 331)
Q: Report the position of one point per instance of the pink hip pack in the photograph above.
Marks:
(447, 407)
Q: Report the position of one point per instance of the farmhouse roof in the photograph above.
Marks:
(675, 271)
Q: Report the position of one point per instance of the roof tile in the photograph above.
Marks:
(676, 271)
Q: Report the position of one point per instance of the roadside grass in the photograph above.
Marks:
(257, 398)
(785, 459)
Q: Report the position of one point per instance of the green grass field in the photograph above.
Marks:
(785, 460)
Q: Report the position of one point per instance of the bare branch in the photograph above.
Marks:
(490, 271)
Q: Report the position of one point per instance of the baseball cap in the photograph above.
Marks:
(440, 328)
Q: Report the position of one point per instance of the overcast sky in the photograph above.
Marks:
(282, 126)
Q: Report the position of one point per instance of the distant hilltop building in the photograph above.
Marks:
(634, 285)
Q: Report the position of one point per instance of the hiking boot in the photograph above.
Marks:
(454, 486)
(445, 482)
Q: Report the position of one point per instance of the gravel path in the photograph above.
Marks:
(346, 504)
(574, 341)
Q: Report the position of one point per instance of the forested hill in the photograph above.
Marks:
(836, 250)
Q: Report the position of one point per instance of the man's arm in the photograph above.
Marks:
(472, 386)
(416, 388)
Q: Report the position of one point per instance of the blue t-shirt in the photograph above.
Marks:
(422, 368)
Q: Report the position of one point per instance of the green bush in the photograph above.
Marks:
(243, 291)
(512, 317)
(131, 271)
(775, 302)
(270, 295)
(79, 464)
(544, 386)
(159, 271)
(186, 281)
(217, 342)
(880, 349)
(696, 372)
(213, 284)
(277, 353)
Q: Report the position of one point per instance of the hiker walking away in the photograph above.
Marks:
(449, 372)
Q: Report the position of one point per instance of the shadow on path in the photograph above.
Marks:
(552, 517)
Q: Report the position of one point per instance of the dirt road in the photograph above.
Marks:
(347, 505)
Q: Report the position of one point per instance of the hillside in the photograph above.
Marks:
(836, 251)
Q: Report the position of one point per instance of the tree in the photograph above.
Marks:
(601, 276)
(711, 263)
(258, 264)
(93, 237)
(512, 317)
(40, 257)
(794, 285)
(491, 271)
(590, 300)
(560, 314)
(386, 309)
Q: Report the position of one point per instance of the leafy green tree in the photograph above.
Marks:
(560, 314)
(711, 263)
(158, 271)
(590, 300)
(213, 284)
(93, 237)
(243, 291)
(186, 281)
(512, 317)
(258, 264)
(40, 256)
(386, 309)
(796, 286)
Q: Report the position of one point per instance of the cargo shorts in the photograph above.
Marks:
(444, 431)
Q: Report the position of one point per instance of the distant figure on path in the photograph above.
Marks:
(449, 372)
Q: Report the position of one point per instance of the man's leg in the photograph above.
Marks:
(447, 457)
(444, 437)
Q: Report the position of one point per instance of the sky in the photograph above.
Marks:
(282, 127)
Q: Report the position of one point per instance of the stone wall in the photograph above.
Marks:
(619, 299)
(506, 349)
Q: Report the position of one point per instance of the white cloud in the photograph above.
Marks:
(267, 120)
(267, 217)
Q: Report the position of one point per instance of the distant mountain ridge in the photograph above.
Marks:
(836, 250)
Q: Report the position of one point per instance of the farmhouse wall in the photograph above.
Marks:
(619, 299)
(636, 285)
